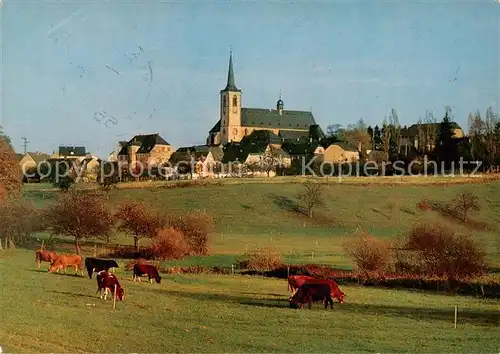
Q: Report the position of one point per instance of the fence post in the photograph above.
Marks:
(232, 269)
(455, 316)
(42, 244)
(114, 299)
(95, 250)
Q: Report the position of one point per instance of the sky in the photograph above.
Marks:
(93, 73)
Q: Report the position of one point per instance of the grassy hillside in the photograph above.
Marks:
(250, 215)
(44, 312)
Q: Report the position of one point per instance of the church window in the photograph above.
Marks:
(223, 131)
(225, 101)
(235, 101)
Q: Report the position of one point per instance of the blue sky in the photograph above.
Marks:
(65, 61)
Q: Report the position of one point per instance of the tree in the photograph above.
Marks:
(312, 196)
(3, 136)
(386, 140)
(357, 135)
(270, 160)
(377, 139)
(446, 148)
(492, 148)
(81, 215)
(465, 203)
(430, 131)
(139, 220)
(19, 218)
(396, 136)
(10, 172)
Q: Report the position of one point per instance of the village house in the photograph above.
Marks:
(150, 150)
(424, 136)
(30, 163)
(339, 153)
(236, 122)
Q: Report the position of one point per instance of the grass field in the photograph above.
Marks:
(44, 312)
(250, 215)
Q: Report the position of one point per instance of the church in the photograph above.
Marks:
(237, 122)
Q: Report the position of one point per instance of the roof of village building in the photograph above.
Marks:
(412, 131)
(77, 151)
(146, 143)
(37, 156)
(300, 148)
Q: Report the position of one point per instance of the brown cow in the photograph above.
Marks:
(44, 256)
(310, 292)
(67, 260)
(334, 288)
(296, 281)
(106, 282)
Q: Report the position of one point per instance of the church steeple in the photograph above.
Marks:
(230, 86)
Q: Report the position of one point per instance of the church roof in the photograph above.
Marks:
(216, 127)
(271, 119)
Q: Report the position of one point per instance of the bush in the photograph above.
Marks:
(371, 255)
(436, 251)
(170, 243)
(19, 218)
(263, 259)
(196, 228)
(424, 205)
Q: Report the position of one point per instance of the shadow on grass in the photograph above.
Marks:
(287, 204)
(77, 294)
(481, 318)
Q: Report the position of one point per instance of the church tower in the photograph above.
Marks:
(230, 109)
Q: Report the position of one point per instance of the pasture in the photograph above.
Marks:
(44, 312)
(256, 213)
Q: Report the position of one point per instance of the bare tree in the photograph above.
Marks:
(430, 130)
(270, 160)
(492, 148)
(312, 196)
(386, 139)
(81, 215)
(465, 203)
(396, 129)
(357, 135)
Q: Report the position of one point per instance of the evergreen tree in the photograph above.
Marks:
(377, 138)
(446, 148)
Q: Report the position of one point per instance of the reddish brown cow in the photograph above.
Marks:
(67, 260)
(107, 281)
(146, 269)
(334, 288)
(310, 292)
(296, 281)
(44, 256)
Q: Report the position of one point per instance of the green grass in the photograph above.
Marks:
(248, 215)
(44, 312)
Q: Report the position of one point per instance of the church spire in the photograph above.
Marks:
(230, 86)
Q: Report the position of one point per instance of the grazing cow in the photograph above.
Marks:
(310, 292)
(107, 281)
(334, 288)
(67, 260)
(296, 281)
(96, 265)
(44, 256)
(146, 269)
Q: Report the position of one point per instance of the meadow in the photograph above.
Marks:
(236, 313)
(44, 312)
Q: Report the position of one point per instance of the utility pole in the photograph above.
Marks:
(26, 142)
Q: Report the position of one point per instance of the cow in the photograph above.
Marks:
(67, 260)
(96, 265)
(107, 281)
(296, 281)
(44, 256)
(334, 288)
(310, 292)
(146, 269)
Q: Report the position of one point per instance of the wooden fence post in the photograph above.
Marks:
(455, 316)
(95, 250)
(114, 299)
